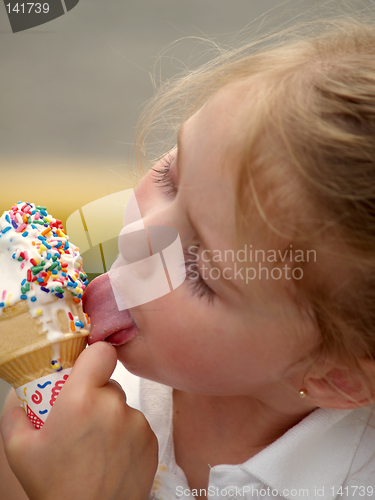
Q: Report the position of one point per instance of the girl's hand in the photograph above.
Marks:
(92, 446)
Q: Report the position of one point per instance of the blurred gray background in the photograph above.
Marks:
(71, 89)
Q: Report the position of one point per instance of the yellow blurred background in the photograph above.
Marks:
(63, 186)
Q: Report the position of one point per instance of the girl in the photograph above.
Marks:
(257, 374)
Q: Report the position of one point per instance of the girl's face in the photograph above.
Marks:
(217, 336)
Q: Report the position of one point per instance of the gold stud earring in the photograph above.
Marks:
(302, 393)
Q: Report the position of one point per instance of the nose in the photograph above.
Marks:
(139, 274)
(150, 205)
(142, 237)
(133, 243)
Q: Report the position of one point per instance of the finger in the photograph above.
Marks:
(14, 423)
(115, 386)
(95, 365)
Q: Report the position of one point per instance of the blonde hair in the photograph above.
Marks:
(316, 98)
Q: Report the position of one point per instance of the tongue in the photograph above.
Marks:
(100, 304)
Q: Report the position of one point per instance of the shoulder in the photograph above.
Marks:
(362, 471)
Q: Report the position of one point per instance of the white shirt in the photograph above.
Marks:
(330, 454)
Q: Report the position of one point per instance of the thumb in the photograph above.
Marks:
(16, 429)
(94, 366)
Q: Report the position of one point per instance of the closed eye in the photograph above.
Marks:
(197, 284)
(194, 280)
(162, 176)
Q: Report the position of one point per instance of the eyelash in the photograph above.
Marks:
(194, 279)
(162, 176)
(198, 286)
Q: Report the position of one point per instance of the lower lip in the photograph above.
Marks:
(122, 336)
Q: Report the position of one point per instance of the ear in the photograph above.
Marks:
(340, 387)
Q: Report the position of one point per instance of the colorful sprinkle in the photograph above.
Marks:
(51, 264)
(21, 228)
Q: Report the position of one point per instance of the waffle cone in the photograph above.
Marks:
(26, 352)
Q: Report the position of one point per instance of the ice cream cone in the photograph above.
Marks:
(26, 353)
(42, 325)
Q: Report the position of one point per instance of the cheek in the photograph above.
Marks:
(192, 346)
(176, 322)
